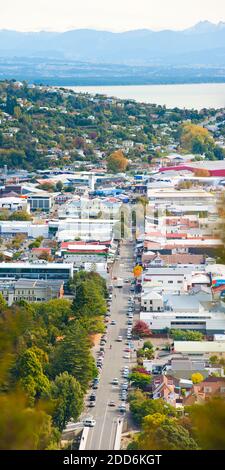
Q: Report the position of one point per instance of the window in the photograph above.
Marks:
(207, 389)
(170, 282)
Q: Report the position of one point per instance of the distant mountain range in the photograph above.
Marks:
(202, 45)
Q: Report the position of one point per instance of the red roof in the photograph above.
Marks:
(40, 250)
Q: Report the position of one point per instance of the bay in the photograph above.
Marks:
(197, 96)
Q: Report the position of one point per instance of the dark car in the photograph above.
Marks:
(92, 397)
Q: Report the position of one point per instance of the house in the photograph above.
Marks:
(174, 259)
(209, 388)
(166, 388)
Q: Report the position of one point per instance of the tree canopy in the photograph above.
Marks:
(117, 162)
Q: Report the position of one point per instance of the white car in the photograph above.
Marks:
(122, 408)
(115, 381)
(126, 356)
(89, 422)
(120, 338)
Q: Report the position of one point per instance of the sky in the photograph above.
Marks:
(111, 15)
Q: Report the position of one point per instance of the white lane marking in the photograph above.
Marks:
(103, 425)
(111, 434)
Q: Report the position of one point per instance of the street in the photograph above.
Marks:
(102, 436)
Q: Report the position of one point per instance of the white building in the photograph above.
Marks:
(174, 279)
(199, 347)
(188, 197)
(11, 228)
(14, 204)
(187, 312)
(85, 229)
(152, 302)
(41, 270)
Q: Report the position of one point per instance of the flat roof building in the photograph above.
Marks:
(41, 270)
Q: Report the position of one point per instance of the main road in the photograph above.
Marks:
(102, 436)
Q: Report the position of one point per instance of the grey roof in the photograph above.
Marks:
(179, 302)
(178, 269)
(37, 283)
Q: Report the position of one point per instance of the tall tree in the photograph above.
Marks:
(88, 300)
(72, 354)
(68, 399)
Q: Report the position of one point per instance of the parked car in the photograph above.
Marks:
(122, 408)
(91, 404)
(126, 356)
(92, 397)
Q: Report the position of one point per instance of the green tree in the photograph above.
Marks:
(88, 300)
(22, 427)
(55, 312)
(163, 433)
(3, 303)
(68, 399)
(82, 275)
(72, 354)
(31, 375)
(209, 424)
(186, 335)
(148, 345)
(141, 406)
(140, 380)
(20, 215)
(59, 186)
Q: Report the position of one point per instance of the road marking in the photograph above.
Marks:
(103, 425)
(111, 434)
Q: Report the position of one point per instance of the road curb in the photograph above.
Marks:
(119, 429)
(84, 437)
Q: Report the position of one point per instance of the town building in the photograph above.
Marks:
(31, 290)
